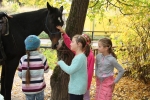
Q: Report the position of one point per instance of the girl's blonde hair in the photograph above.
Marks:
(108, 43)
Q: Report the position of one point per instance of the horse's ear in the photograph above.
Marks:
(61, 8)
(49, 7)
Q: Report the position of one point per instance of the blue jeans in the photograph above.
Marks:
(38, 96)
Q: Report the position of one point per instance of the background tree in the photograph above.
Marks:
(132, 19)
(0, 3)
(133, 42)
(75, 23)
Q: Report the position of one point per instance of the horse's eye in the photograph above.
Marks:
(59, 19)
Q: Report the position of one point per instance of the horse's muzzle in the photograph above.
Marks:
(55, 46)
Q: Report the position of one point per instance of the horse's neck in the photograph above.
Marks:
(31, 22)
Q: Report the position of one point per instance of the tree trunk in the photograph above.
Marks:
(75, 23)
(77, 15)
(59, 79)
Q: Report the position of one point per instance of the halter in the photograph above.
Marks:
(47, 26)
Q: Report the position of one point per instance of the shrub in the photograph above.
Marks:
(43, 35)
(51, 56)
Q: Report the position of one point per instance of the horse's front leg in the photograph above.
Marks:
(8, 72)
(2, 79)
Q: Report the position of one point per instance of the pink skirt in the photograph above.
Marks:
(104, 88)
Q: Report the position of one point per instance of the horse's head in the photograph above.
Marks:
(53, 19)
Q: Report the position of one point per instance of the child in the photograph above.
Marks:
(105, 63)
(77, 70)
(1, 97)
(31, 70)
(90, 59)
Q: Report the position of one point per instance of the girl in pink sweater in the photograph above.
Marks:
(90, 58)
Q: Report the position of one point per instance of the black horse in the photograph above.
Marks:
(20, 26)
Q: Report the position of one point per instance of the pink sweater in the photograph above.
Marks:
(90, 59)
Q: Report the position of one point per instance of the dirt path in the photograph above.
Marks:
(17, 93)
(126, 89)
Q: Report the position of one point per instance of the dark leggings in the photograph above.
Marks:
(76, 97)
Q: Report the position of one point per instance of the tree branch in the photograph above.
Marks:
(124, 3)
(94, 4)
(112, 4)
(107, 5)
(120, 9)
(129, 4)
(124, 13)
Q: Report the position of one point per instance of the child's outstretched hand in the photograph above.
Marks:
(60, 29)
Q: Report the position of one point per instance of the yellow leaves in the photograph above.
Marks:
(127, 89)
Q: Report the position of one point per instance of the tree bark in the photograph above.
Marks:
(75, 23)
(59, 79)
(77, 15)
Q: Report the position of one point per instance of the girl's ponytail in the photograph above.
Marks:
(28, 70)
(112, 52)
(88, 46)
(87, 50)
